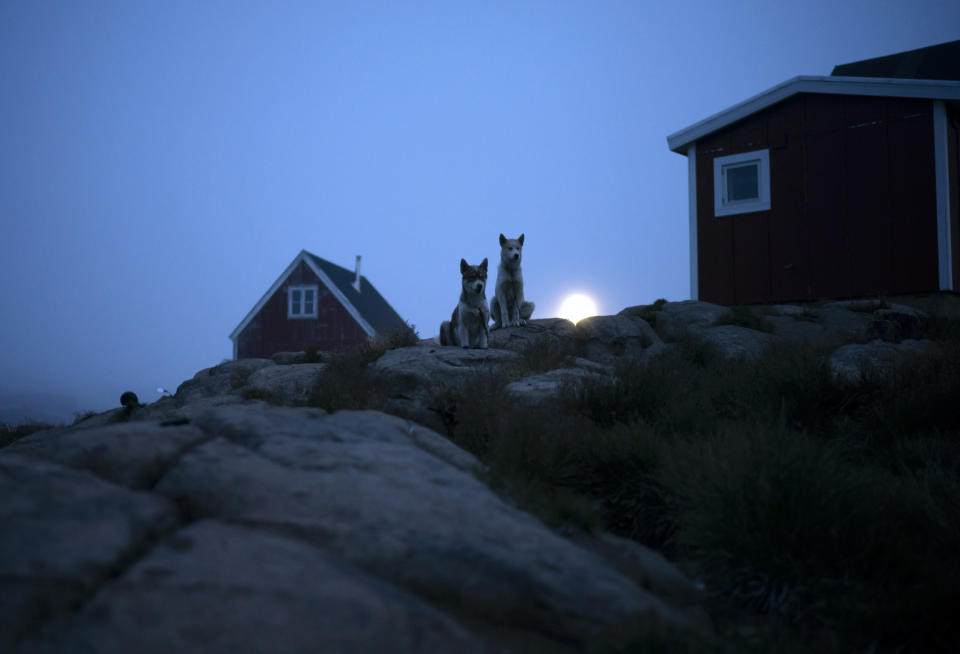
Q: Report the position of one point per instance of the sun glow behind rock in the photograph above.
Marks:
(576, 307)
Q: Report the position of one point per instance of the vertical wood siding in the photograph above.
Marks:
(271, 331)
(853, 203)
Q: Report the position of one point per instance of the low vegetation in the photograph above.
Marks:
(347, 383)
(745, 317)
(820, 516)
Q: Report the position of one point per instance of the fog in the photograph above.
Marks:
(162, 163)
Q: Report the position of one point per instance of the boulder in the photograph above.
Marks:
(674, 319)
(132, 454)
(290, 384)
(220, 589)
(647, 566)
(65, 532)
(417, 373)
(535, 389)
(407, 516)
(227, 378)
(249, 425)
(558, 331)
(609, 338)
(735, 342)
(850, 362)
(896, 323)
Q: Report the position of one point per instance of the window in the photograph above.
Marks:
(741, 183)
(302, 302)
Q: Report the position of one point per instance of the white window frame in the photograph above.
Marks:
(290, 289)
(723, 207)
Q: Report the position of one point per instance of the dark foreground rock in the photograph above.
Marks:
(258, 528)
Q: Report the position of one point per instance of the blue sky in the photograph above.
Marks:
(161, 163)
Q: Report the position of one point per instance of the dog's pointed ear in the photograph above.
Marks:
(463, 266)
(521, 239)
(483, 264)
(502, 239)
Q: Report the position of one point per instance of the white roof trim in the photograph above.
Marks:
(877, 86)
(322, 276)
(337, 293)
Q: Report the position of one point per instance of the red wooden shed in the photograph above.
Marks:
(314, 303)
(830, 187)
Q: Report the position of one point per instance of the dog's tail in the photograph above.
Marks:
(446, 337)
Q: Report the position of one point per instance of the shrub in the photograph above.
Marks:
(649, 312)
(546, 353)
(785, 525)
(12, 433)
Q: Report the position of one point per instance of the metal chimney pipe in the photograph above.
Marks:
(356, 277)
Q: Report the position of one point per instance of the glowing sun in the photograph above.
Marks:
(576, 307)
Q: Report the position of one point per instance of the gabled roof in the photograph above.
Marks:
(876, 86)
(366, 306)
(934, 62)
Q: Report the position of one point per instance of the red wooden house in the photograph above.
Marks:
(830, 187)
(314, 303)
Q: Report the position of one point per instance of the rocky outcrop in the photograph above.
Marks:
(287, 384)
(609, 338)
(557, 332)
(850, 362)
(255, 527)
(213, 521)
(535, 389)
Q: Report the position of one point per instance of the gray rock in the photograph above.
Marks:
(417, 373)
(287, 384)
(409, 517)
(646, 566)
(559, 331)
(608, 338)
(896, 323)
(676, 318)
(850, 362)
(133, 454)
(591, 366)
(831, 325)
(221, 589)
(64, 532)
(226, 378)
(735, 342)
(539, 388)
(251, 424)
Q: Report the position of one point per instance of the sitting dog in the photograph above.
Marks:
(468, 327)
(508, 308)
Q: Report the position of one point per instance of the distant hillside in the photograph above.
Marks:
(17, 408)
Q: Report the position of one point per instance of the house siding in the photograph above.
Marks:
(270, 331)
(853, 203)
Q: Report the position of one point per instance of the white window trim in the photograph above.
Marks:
(290, 289)
(720, 206)
(692, 199)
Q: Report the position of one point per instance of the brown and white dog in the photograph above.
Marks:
(468, 326)
(508, 308)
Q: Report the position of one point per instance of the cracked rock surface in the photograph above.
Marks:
(257, 528)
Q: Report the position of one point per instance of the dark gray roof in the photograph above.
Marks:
(371, 305)
(934, 62)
